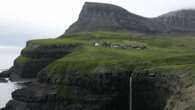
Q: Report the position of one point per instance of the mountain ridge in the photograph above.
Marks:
(92, 70)
(109, 17)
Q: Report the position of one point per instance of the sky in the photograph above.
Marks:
(21, 20)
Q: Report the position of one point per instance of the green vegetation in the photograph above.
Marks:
(166, 53)
(50, 42)
(106, 52)
(117, 52)
(22, 59)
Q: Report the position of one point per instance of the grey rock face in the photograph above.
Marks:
(42, 96)
(40, 56)
(181, 21)
(107, 17)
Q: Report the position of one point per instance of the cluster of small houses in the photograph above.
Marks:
(105, 44)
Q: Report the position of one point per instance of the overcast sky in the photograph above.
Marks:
(63, 12)
(50, 18)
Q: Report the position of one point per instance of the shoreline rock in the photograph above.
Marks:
(3, 80)
(96, 89)
(4, 74)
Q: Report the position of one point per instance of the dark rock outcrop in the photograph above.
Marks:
(47, 96)
(100, 90)
(34, 57)
(150, 92)
(2, 80)
(153, 92)
(4, 74)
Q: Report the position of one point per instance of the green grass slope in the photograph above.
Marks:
(106, 52)
(93, 65)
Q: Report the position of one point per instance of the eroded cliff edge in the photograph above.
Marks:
(91, 70)
(85, 75)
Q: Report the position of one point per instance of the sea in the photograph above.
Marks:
(7, 56)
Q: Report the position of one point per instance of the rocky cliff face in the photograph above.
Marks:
(107, 17)
(77, 96)
(150, 92)
(35, 57)
(179, 21)
(73, 73)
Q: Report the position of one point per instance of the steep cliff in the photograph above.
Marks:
(101, 17)
(86, 70)
(181, 20)
(107, 17)
(96, 77)
(37, 55)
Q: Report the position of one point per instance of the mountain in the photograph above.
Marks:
(179, 21)
(92, 70)
(108, 17)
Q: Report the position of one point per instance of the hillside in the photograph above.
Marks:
(181, 20)
(107, 17)
(83, 70)
(92, 70)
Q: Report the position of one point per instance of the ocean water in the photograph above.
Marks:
(5, 91)
(7, 56)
